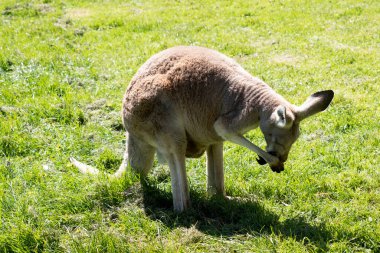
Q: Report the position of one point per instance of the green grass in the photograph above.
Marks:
(64, 66)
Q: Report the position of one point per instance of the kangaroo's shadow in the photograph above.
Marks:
(227, 217)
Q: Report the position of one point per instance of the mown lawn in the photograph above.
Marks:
(64, 66)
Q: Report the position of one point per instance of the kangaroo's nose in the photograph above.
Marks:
(278, 168)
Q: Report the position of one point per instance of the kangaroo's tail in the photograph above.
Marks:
(87, 169)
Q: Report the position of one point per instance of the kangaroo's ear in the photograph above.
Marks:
(283, 118)
(317, 102)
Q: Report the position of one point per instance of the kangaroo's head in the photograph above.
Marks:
(281, 127)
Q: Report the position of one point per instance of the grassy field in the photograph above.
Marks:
(64, 66)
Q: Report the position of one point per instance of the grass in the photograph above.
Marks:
(64, 66)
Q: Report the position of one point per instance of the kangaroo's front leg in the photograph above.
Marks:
(236, 138)
(215, 171)
(240, 140)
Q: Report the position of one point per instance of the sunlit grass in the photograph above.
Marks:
(64, 67)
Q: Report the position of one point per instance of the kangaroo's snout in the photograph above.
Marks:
(275, 168)
(278, 168)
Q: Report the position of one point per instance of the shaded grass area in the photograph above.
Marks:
(64, 67)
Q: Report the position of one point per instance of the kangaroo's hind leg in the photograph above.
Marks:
(172, 145)
(180, 188)
(124, 163)
(139, 155)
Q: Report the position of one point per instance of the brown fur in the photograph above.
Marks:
(160, 92)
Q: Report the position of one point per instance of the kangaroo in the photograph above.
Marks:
(188, 100)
